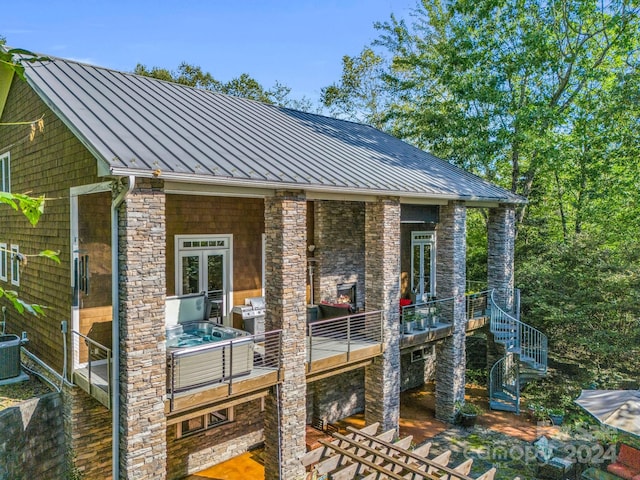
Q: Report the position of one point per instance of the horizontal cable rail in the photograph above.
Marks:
(426, 316)
(344, 334)
(222, 362)
(476, 285)
(98, 357)
(477, 304)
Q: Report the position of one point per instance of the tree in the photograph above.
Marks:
(242, 86)
(359, 95)
(486, 84)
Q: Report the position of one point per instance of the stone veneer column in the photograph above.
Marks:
(382, 292)
(143, 361)
(500, 266)
(285, 406)
(451, 254)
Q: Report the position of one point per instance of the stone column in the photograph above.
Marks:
(142, 240)
(285, 407)
(500, 265)
(382, 292)
(450, 283)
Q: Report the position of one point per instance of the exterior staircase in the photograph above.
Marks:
(525, 358)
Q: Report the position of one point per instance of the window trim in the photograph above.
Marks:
(5, 172)
(15, 265)
(421, 238)
(4, 266)
(207, 424)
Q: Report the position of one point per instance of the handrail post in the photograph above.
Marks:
(230, 367)
(310, 354)
(349, 319)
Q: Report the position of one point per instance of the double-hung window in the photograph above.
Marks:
(15, 265)
(5, 172)
(4, 256)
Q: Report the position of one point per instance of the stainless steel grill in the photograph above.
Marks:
(250, 316)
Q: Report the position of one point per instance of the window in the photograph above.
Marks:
(204, 422)
(423, 265)
(15, 265)
(4, 255)
(5, 177)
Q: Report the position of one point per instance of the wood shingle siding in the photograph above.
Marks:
(49, 165)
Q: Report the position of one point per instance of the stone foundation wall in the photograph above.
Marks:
(416, 373)
(336, 397)
(32, 439)
(196, 452)
(89, 434)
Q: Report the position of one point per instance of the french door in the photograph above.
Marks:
(423, 262)
(203, 265)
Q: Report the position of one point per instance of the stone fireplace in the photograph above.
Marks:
(347, 293)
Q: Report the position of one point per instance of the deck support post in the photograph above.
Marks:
(285, 406)
(142, 264)
(500, 260)
(382, 292)
(451, 283)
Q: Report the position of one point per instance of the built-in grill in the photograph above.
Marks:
(250, 316)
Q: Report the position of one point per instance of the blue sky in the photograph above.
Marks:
(297, 42)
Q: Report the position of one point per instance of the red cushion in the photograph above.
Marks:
(621, 470)
(629, 456)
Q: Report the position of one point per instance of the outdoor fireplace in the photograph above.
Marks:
(347, 294)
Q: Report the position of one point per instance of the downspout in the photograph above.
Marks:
(115, 329)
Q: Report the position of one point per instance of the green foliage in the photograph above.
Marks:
(244, 86)
(585, 296)
(15, 57)
(467, 408)
(31, 207)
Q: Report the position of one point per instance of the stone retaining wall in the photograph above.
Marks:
(32, 441)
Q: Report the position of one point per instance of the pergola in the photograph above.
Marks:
(364, 455)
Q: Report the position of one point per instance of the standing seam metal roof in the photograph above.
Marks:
(141, 124)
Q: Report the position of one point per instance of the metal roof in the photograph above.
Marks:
(140, 125)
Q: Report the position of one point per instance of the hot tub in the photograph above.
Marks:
(202, 353)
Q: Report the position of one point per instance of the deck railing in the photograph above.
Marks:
(425, 316)
(345, 333)
(477, 305)
(98, 367)
(223, 362)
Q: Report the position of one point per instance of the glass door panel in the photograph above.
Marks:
(190, 267)
(216, 284)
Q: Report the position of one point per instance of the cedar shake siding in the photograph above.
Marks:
(241, 217)
(49, 165)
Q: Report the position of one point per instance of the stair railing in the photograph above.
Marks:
(504, 382)
(519, 337)
(522, 343)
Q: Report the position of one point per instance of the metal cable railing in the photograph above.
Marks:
(426, 316)
(98, 365)
(344, 334)
(223, 362)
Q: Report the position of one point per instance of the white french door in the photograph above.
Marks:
(203, 265)
(423, 261)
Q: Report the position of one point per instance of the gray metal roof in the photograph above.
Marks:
(138, 125)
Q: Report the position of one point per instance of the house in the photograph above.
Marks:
(158, 190)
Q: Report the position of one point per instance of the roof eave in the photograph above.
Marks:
(315, 188)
